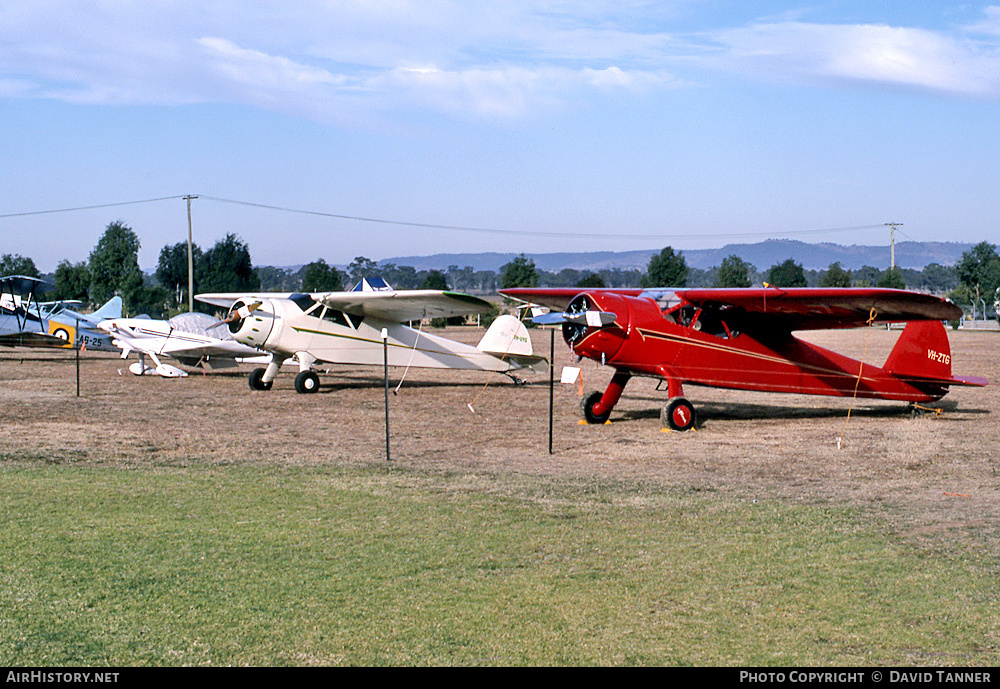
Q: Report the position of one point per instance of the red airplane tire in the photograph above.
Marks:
(257, 382)
(306, 382)
(587, 408)
(678, 414)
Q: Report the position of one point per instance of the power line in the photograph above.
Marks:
(455, 228)
(530, 233)
(89, 208)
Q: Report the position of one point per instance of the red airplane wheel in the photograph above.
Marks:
(587, 408)
(678, 414)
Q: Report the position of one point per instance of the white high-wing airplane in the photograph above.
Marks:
(349, 327)
(185, 337)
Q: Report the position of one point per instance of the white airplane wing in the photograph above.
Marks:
(225, 300)
(404, 305)
(388, 305)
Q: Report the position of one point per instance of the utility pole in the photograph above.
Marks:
(892, 242)
(190, 258)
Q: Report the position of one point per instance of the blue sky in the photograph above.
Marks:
(536, 126)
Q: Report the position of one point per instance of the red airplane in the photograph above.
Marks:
(742, 339)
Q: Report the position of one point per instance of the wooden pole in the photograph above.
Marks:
(190, 258)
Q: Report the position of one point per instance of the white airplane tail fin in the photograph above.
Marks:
(508, 339)
(111, 310)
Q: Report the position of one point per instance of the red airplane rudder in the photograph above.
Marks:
(922, 351)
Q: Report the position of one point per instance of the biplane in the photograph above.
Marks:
(364, 325)
(21, 321)
(26, 322)
(743, 339)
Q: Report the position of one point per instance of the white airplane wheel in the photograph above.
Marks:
(678, 414)
(306, 382)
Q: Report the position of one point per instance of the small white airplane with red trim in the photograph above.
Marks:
(365, 326)
(188, 338)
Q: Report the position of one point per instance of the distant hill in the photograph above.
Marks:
(762, 255)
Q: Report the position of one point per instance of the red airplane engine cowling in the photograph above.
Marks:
(600, 344)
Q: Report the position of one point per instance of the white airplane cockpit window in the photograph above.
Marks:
(335, 316)
(304, 302)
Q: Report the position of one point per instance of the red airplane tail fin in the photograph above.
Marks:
(922, 351)
(922, 355)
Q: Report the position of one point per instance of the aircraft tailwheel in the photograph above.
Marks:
(306, 382)
(257, 380)
(587, 408)
(678, 414)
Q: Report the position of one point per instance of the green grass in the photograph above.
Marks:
(283, 566)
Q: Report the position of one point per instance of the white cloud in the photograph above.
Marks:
(317, 58)
(263, 72)
(990, 24)
(862, 53)
(331, 59)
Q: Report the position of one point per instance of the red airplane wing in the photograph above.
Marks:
(794, 308)
(809, 308)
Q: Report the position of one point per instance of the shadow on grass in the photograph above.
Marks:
(745, 411)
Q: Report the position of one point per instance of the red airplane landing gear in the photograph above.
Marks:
(596, 407)
(678, 414)
(587, 408)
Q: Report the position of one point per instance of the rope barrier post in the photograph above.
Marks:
(385, 370)
(76, 336)
(552, 367)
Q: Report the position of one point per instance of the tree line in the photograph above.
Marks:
(975, 276)
(113, 268)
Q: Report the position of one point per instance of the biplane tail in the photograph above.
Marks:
(922, 355)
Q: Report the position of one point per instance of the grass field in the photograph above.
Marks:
(363, 564)
(196, 522)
